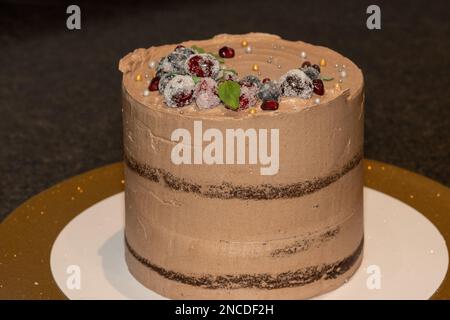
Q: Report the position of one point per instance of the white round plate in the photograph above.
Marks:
(405, 256)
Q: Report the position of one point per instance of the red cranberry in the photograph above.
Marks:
(266, 80)
(183, 98)
(315, 66)
(201, 66)
(180, 46)
(243, 102)
(318, 87)
(154, 84)
(269, 105)
(226, 52)
(306, 64)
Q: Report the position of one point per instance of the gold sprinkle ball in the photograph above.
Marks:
(255, 67)
(244, 43)
(138, 77)
(337, 86)
(323, 62)
(253, 110)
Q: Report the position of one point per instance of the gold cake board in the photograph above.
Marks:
(28, 233)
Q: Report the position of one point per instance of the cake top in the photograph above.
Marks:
(238, 76)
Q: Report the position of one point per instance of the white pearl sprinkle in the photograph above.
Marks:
(343, 73)
(248, 49)
(303, 54)
(146, 76)
(317, 100)
(432, 251)
(223, 67)
(146, 93)
(343, 66)
(336, 65)
(340, 80)
(152, 64)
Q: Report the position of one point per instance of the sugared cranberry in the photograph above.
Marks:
(226, 52)
(248, 94)
(315, 66)
(295, 83)
(202, 65)
(306, 64)
(154, 84)
(205, 93)
(180, 46)
(266, 80)
(243, 102)
(269, 91)
(318, 87)
(182, 98)
(269, 105)
(250, 81)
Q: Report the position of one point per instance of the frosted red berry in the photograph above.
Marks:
(226, 52)
(269, 105)
(315, 66)
(318, 87)
(182, 98)
(154, 84)
(266, 80)
(202, 65)
(243, 102)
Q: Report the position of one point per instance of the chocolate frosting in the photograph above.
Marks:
(219, 222)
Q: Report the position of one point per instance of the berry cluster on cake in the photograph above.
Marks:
(243, 167)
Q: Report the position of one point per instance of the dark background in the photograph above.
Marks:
(60, 90)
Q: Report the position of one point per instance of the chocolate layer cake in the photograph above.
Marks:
(243, 168)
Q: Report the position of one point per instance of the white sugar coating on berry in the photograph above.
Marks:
(311, 72)
(295, 83)
(176, 87)
(205, 94)
(227, 75)
(249, 95)
(174, 62)
(202, 65)
(164, 66)
(269, 91)
(165, 78)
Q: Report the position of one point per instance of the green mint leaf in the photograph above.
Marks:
(196, 79)
(327, 78)
(229, 92)
(198, 49)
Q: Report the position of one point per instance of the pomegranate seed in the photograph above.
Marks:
(315, 66)
(154, 84)
(269, 105)
(266, 80)
(226, 52)
(318, 87)
(306, 64)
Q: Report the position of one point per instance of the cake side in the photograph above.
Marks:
(284, 226)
